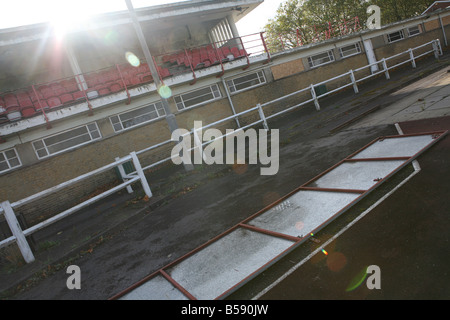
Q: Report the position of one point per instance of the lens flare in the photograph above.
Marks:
(132, 59)
(336, 261)
(165, 92)
(357, 280)
(299, 225)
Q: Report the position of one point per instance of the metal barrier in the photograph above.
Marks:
(19, 235)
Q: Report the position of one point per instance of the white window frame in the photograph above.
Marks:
(160, 112)
(231, 83)
(182, 101)
(45, 147)
(402, 36)
(356, 45)
(7, 160)
(419, 31)
(313, 64)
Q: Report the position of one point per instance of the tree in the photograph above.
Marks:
(298, 22)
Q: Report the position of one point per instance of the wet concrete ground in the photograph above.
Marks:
(145, 237)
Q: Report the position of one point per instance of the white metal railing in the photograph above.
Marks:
(19, 235)
(435, 48)
(138, 175)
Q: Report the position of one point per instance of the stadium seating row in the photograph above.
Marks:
(27, 102)
(204, 56)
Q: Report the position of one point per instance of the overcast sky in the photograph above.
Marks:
(23, 12)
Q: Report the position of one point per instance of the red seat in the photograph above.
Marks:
(91, 80)
(145, 77)
(46, 92)
(226, 51)
(115, 86)
(181, 57)
(42, 104)
(24, 99)
(78, 95)
(10, 101)
(70, 85)
(212, 55)
(54, 102)
(235, 52)
(205, 57)
(28, 112)
(164, 72)
(102, 89)
(114, 75)
(66, 98)
(132, 80)
(57, 89)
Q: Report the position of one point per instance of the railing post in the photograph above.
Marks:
(266, 49)
(140, 172)
(123, 174)
(124, 84)
(411, 56)
(435, 49)
(385, 68)
(352, 77)
(438, 43)
(314, 96)
(17, 232)
(262, 116)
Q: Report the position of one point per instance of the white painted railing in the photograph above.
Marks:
(19, 235)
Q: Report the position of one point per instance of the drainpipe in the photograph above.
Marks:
(74, 65)
(231, 102)
(443, 30)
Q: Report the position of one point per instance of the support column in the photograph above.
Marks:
(74, 65)
(233, 27)
(170, 117)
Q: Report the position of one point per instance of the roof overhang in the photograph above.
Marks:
(161, 17)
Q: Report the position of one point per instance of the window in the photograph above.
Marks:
(246, 82)
(197, 97)
(66, 140)
(136, 117)
(413, 31)
(320, 59)
(396, 36)
(9, 160)
(350, 50)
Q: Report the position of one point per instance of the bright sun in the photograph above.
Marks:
(64, 17)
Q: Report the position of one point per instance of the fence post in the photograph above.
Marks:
(436, 49)
(140, 172)
(17, 232)
(314, 96)
(262, 116)
(386, 71)
(352, 77)
(411, 55)
(123, 174)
